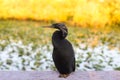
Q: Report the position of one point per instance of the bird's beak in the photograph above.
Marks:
(47, 26)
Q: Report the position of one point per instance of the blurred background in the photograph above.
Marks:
(94, 31)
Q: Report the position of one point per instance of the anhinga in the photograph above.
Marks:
(63, 53)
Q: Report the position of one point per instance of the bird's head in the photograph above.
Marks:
(62, 27)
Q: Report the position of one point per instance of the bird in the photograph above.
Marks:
(63, 53)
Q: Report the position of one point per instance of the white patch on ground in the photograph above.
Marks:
(17, 56)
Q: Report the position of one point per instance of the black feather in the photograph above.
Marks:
(63, 53)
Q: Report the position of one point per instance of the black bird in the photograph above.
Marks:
(63, 53)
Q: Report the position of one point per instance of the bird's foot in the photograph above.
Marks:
(63, 75)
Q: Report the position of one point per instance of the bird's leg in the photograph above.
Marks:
(63, 75)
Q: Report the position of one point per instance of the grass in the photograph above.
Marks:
(26, 45)
(22, 30)
(33, 32)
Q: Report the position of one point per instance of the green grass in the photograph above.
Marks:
(33, 32)
(19, 35)
(27, 31)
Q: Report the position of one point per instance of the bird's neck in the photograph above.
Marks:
(58, 37)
